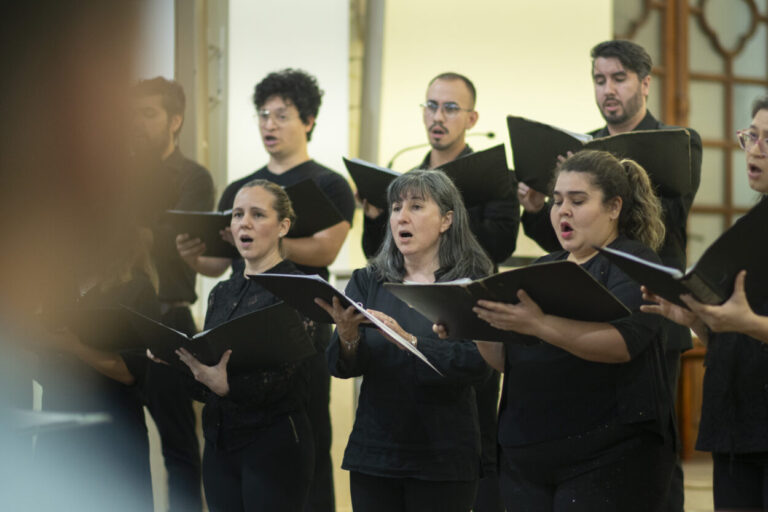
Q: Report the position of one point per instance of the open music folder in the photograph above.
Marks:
(742, 247)
(261, 339)
(300, 291)
(560, 288)
(480, 177)
(664, 154)
(314, 212)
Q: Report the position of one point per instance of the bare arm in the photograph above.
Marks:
(318, 250)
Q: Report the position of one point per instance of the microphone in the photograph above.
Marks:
(488, 135)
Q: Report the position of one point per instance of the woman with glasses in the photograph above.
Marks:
(734, 411)
(415, 444)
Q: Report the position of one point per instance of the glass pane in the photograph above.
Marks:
(706, 116)
(743, 196)
(649, 37)
(625, 12)
(752, 61)
(703, 229)
(729, 20)
(762, 6)
(712, 173)
(743, 96)
(704, 58)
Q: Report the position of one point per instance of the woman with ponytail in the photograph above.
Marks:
(585, 423)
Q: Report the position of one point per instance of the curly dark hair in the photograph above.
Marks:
(294, 85)
(171, 95)
(631, 55)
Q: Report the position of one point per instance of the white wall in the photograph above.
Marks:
(525, 58)
(156, 42)
(268, 35)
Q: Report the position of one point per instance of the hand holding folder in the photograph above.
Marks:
(265, 338)
(742, 247)
(551, 285)
(300, 292)
(481, 176)
(664, 154)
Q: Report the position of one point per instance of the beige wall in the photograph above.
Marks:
(525, 58)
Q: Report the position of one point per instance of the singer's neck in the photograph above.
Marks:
(439, 157)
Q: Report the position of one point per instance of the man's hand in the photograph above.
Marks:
(532, 200)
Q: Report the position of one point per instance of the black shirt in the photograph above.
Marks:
(538, 226)
(550, 394)
(332, 184)
(177, 184)
(256, 399)
(410, 421)
(494, 223)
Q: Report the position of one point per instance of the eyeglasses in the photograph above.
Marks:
(748, 139)
(279, 116)
(449, 108)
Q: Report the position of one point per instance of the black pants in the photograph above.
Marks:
(676, 497)
(321, 494)
(272, 473)
(611, 469)
(383, 494)
(169, 403)
(488, 493)
(740, 482)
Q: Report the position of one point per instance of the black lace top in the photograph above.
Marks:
(256, 399)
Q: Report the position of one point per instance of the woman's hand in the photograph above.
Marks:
(392, 324)
(441, 330)
(734, 315)
(669, 310)
(524, 317)
(347, 320)
(214, 377)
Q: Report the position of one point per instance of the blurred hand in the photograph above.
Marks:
(190, 249)
(531, 200)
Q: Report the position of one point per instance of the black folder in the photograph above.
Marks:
(300, 291)
(261, 339)
(711, 279)
(371, 180)
(206, 227)
(560, 288)
(664, 154)
(480, 177)
(314, 211)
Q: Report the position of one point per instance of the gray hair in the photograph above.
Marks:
(459, 254)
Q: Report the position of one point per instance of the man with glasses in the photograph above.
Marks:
(448, 112)
(621, 74)
(287, 103)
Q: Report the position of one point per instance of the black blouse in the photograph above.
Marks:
(256, 399)
(410, 421)
(550, 394)
(734, 409)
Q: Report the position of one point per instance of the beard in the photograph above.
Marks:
(629, 109)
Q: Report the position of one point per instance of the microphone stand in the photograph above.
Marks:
(406, 149)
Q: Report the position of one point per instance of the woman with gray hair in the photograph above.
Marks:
(415, 444)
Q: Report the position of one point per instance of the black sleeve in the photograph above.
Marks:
(538, 227)
(143, 300)
(639, 330)
(357, 290)
(374, 231)
(495, 224)
(196, 192)
(228, 197)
